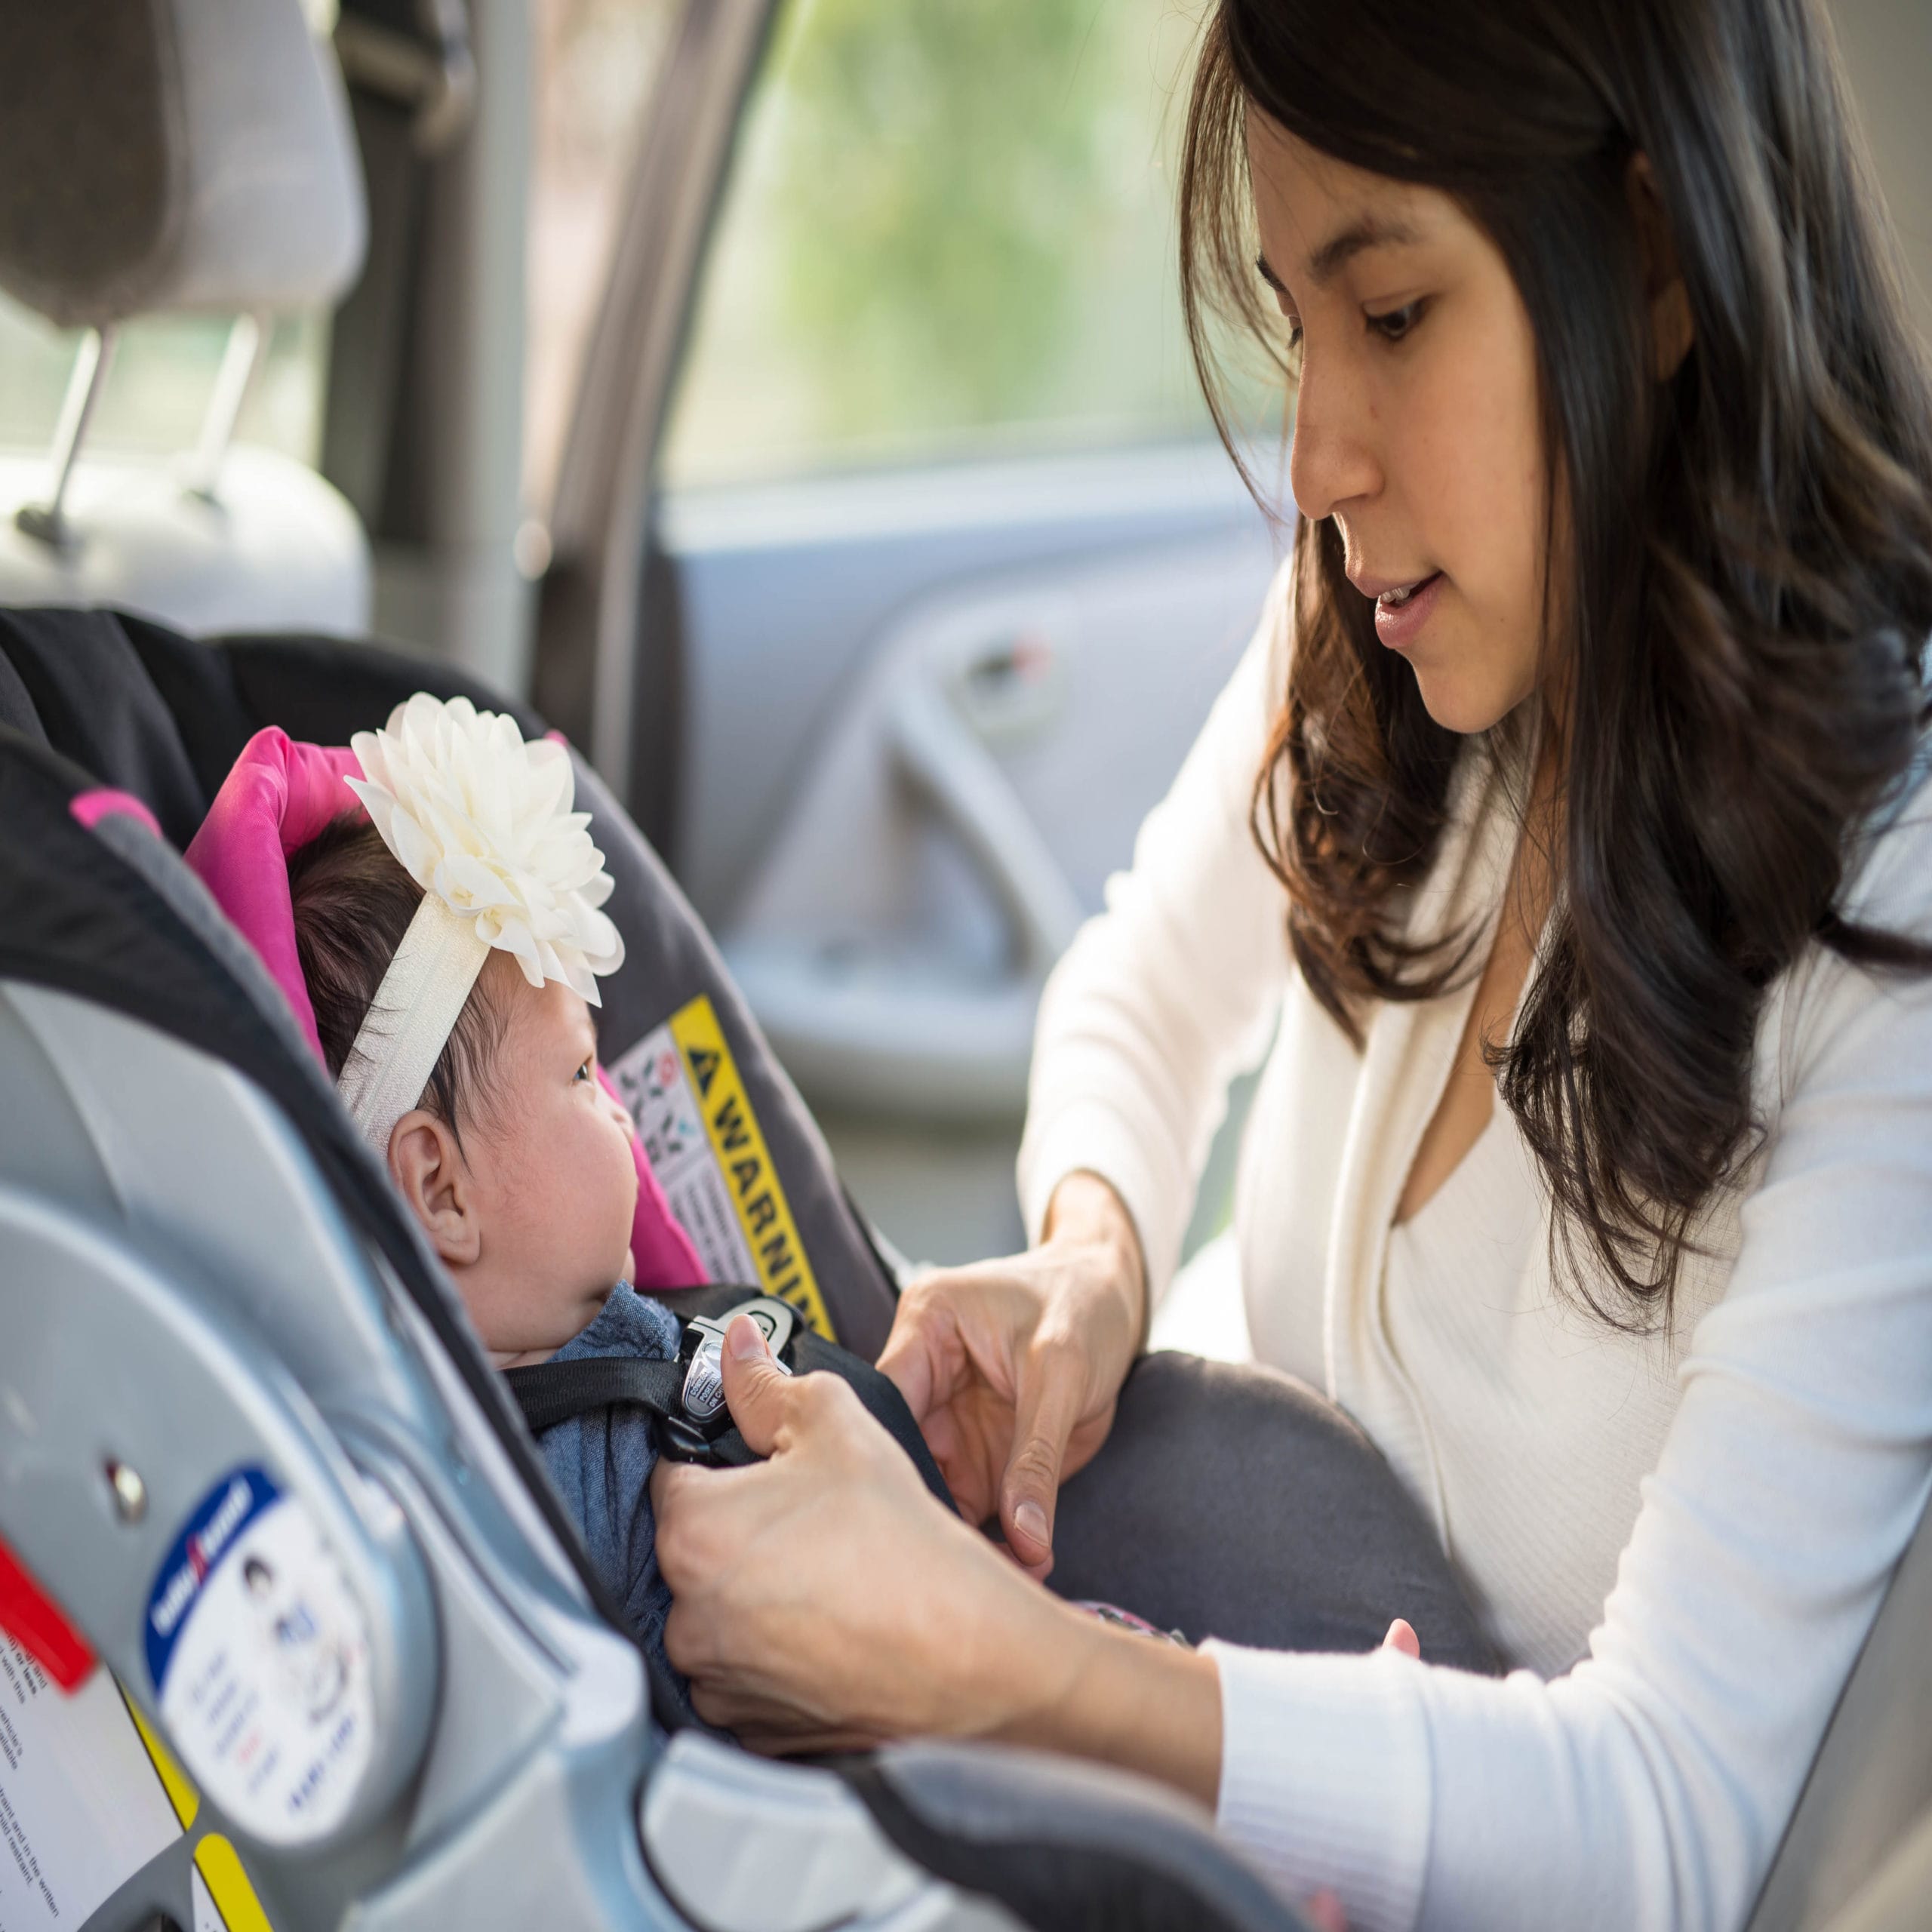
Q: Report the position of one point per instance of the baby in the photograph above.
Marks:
(446, 943)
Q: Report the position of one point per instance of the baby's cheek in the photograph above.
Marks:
(620, 1188)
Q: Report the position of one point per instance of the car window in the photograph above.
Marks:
(948, 231)
(158, 386)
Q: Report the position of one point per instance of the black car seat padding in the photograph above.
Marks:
(95, 704)
(1164, 1517)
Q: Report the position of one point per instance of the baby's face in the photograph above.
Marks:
(555, 1185)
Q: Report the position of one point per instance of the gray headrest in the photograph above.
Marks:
(172, 155)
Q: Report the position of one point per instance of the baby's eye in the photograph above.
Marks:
(584, 1072)
(1394, 323)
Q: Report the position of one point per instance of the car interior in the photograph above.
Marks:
(862, 739)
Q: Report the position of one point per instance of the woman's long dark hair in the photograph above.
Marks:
(1751, 547)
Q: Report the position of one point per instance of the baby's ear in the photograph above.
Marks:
(427, 1165)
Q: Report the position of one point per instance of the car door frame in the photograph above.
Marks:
(605, 667)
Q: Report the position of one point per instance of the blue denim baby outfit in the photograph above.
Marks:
(602, 1463)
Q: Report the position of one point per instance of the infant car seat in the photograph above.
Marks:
(252, 1460)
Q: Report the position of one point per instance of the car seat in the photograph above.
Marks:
(214, 1304)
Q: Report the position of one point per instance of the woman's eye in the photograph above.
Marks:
(1394, 323)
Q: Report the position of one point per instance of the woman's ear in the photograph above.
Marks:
(426, 1164)
(1665, 296)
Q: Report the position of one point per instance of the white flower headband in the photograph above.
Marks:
(480, 819)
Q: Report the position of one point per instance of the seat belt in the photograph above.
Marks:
(685, 1393)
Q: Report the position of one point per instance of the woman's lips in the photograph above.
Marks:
(1399, 624)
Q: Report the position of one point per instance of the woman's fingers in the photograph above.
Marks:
(1324, 1910)
(907, 1360)
(1052, 1390)
(1402, 1637)
(755, 1385)
(927, 1354)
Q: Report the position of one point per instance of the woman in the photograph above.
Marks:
(1563, 810)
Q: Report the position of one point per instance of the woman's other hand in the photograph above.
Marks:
(1011, 1367)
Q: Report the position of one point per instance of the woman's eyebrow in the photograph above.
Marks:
(1328, 260)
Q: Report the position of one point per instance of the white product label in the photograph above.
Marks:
(81, 1808)
(655, 1084)
(259, 1657)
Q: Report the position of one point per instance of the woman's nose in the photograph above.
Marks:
(1331, 460)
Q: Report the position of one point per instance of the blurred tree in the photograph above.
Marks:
(950, 222)
(937, 151)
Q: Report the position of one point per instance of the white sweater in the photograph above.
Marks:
(1685, 1538)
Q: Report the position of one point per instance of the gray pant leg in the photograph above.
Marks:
(1235, 1502)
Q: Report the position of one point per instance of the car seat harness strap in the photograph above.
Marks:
(686, 1395)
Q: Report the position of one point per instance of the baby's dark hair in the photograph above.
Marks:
(352, 903)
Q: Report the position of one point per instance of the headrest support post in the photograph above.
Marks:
(48, 521)
(234, 384)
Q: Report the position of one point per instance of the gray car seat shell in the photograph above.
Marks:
(179, 1190)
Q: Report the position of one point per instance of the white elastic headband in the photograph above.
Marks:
(480, 819)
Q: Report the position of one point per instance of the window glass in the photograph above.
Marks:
(949, 232)
(163, 373)
(596, 61)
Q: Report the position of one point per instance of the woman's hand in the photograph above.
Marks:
(1011, 1368)
(822, 1597)
(824, 1600)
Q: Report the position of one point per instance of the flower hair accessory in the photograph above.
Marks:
(480, 818)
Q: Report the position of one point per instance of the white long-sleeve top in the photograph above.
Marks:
(1683, 1540)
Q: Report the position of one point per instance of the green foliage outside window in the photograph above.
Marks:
(949, 231)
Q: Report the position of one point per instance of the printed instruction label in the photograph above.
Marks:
(260, 1658)
(704, 1145)
(81, 1807)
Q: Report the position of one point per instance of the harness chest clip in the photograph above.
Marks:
(689, 1437)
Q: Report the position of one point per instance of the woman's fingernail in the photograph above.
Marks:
(744, 1339)
(1031, 1518)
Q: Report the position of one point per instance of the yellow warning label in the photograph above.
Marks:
(770, 1236)
(220, 1866)
(219, 1863)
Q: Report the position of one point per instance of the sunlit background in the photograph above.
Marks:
(948, 232)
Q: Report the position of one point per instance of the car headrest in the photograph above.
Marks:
(173, 155)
